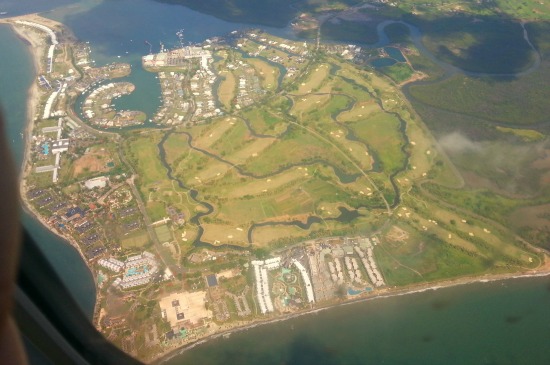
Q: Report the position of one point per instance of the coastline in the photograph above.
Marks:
(385, 293)
(36, 47)
(32, 105)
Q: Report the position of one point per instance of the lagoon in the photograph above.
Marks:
(382, 62)
(395, 53)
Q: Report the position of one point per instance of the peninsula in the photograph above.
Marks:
(277, 177)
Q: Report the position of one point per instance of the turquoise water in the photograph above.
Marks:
(136, 271)
(354, 292)
(492, 323)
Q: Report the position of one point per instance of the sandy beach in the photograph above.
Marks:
(37, 46)
(36, 42)
(385, 293)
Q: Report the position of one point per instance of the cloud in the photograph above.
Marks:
(457, 143)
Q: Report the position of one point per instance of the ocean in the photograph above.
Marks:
(505, 322)
(16, 75)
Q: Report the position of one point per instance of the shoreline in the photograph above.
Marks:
(32, 105)
(36, 47)
(385, 293)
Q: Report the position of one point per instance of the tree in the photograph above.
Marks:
(341, 291)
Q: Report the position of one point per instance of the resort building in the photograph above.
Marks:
(306, 279)
(262, 283)
(137, 270)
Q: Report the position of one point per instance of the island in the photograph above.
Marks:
(278, 177)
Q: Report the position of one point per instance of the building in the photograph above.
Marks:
(73, 213)
(61, 145)
(307, 281)
(98, 182)
(112, 264)
(262, 284)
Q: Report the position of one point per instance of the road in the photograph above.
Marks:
(143, 210)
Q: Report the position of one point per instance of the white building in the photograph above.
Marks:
(98, 182)
(262, 283)
(61, 145)
(307, 281)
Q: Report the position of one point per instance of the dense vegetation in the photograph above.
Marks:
(276, 13)
(350, 32)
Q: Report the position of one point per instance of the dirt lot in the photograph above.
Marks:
(94, 161)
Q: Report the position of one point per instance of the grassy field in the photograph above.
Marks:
(314, 80)
(269, 74)
(266, 121)
(297, 147)
(143, 151)
(163, 233)
(227, 89)
(206, 136)
(526, 135)
(232, 139)
(263, 236)
(423, 258)
(326, 151)
(224, 233)
(381, 133)
(525, 217)
(309, 103)
(135, 239)
(398, 72)
(176, 148)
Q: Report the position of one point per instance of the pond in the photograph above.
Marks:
(395, 53)
(382, 62)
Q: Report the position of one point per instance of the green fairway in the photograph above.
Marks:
(163, 233)
(381, 132)
(143, 151)
(135, 240)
